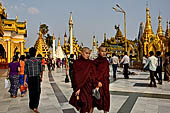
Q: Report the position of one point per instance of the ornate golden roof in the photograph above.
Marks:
(13, 25)
(41, 46)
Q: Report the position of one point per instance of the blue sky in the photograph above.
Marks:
(91, 17)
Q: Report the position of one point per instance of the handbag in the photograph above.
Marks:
(96, 93)
(7, 83)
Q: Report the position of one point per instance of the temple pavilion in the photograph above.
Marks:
(12, 35)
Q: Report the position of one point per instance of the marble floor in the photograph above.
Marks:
(127, 95)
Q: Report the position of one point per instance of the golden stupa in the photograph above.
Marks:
(150, 41)
(41, 46)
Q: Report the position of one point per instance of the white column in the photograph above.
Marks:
(54, 55)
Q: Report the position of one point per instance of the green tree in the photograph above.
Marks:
(44, 29)
(49, 40)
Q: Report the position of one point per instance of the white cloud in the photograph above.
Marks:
(33, 10)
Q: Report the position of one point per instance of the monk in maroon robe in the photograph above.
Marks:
(83, 82)
(102, 73)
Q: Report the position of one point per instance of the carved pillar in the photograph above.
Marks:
(8, 51)
(21, 48)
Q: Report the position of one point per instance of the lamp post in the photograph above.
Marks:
(122, 11)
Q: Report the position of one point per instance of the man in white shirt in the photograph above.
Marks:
(153, 63)
(114, 62)
(125, 60)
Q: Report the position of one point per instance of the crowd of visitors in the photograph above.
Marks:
(86, 76)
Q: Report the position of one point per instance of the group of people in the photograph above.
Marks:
(155, 64)
(114, 61)
(51, 62)
(16, 76)
(26, 73)
(88, 75)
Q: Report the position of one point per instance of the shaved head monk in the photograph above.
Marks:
(83, 82)
(102, 77)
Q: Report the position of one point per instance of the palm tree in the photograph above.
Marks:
(44, 29)
(49, 40)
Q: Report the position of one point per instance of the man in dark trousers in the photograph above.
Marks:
(159, 67)
(126, 61)
(33, 69)
(71, 60)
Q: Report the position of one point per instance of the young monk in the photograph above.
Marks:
(83, 82)
(102, 77)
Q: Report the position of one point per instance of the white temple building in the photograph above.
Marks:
(59, 51)
(94, 51)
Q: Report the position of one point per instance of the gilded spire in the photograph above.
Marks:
(167, 30)
(94, 42)
(159, 30)
(148, 27)
(97, 44)
(58, 41)
(104, 37)
(65, 39)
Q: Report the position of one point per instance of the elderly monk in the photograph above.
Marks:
(102, 76)
(83, 82)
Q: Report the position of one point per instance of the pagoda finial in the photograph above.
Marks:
(71, 19)
(104, 37)
(94, 42)
(148, 27)
(167, 30)
(159, 30)
(58, 41)
(65, 39)
(53, 37)
(16, 18)
(97, 44)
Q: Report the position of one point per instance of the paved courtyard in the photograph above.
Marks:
(127, 96)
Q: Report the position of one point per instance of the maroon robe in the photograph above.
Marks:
(83, 79)
(102, 75)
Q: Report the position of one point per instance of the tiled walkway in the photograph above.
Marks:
(127, 96)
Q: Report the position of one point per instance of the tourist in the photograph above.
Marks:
(159, 67)
(49, 63)
(102, 77)
(153, 63)
(126, 62)
(53, 64)
(115, 63)
(144, 60)
(12, 74)
(43, 64)
(71, 60)
(166, 65)
(33, 69)
(23, 88)
(83, 82)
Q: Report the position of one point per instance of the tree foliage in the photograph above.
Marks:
(44, 29)
(49, 40)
